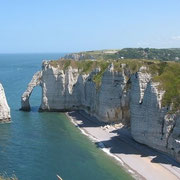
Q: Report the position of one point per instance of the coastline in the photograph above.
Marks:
(140, 161)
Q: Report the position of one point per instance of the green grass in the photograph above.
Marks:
(83, 66)
(132, 64)
(98, 77)
(86, 66)
(169, 78)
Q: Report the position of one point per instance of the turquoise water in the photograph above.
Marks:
(38, 146)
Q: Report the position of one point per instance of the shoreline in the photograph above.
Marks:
(140, 161)
(106, 150)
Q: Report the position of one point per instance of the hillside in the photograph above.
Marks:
(128, 53)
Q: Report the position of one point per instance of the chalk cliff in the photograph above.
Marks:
(70, 90)
(4, 108)
(152, 124)
(123, 96)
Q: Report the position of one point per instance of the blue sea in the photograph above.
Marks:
(38, 146)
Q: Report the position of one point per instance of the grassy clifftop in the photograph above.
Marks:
(167, 73)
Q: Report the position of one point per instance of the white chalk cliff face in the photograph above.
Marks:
(136, 102)
(151, 124)
(4, 108)
(70, 90)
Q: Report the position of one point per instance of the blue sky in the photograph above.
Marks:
(77, 25)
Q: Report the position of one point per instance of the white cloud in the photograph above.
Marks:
(177, 38)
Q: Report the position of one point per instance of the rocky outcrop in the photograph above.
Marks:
(4, 108)
(130, 98)
(151, 124)
(71, 90)
(25, 106)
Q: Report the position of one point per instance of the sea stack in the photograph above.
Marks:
(4, 108)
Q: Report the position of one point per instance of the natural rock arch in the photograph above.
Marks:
(36, 80)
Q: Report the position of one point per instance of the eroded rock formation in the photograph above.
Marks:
(151, 124)
(70, 90)
(25, 106)
(131, 98)
(4, 108)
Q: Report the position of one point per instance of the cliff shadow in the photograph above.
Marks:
(87, 120)
(123, 143)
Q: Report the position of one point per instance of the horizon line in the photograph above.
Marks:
(85, 50)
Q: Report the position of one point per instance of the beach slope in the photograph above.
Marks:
(141, 161)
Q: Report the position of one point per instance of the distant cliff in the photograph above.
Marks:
(129, 53)
(4, 108)
(141, 94)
